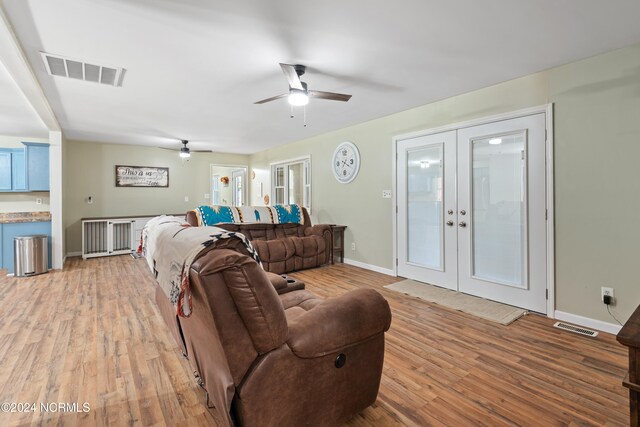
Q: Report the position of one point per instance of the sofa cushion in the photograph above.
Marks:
(288, 230)
(308, 246)
(309, 252)
(274, 250)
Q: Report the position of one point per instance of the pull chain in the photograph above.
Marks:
(304, 114)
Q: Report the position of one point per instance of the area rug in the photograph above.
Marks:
(480, 307)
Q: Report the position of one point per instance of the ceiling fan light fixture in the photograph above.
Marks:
(185, 153)
(298, 97)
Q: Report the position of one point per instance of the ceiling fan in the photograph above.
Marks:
(185, 151)
(298, 93)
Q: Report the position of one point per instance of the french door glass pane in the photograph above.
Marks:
(424, 206)
(499, 209)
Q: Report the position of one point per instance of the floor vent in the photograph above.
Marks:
(60, 66)
(576, 329)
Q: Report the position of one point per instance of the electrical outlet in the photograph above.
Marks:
(38, 201)
(386, 194)
(206, 195)
(186, 198)
(353, 246)
(606, 291)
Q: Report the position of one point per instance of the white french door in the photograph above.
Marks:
(482, 229)
(426, 203)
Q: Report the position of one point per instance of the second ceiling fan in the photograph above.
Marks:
(185, 151)
(298, 92)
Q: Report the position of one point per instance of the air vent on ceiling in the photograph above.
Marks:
(57, 65)
(576, 329)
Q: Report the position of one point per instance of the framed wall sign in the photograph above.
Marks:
(141, 176)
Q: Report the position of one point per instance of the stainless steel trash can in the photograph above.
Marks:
(30, 255)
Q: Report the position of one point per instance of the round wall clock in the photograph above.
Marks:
(346, 162)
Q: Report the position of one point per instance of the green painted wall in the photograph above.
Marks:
(597, 150)
(597, 146)
(89, 170)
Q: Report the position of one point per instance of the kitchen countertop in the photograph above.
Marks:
(10, 217)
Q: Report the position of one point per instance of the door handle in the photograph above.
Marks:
(463, 212)
(450, 223)
(462, 224)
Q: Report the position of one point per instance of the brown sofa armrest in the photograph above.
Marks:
(339, 322)
(324, 231)
(277, 281)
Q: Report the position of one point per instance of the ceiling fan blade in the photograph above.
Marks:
(201, 151)
(292, 76)
(273, 98)
(329, 95)
(170, 149)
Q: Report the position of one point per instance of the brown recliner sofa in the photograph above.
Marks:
(284, 248)
(266, 359)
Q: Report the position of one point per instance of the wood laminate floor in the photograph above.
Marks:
(91, 333)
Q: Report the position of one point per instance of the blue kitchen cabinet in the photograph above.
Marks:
(37, 160)
(5, 170)
(13, 175)
(25, 169)
(14, 229)
(18, 173)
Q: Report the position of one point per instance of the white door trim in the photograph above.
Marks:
(551, 256)
(548, 111)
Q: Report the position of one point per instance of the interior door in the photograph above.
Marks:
(502, 212)
(426, 176)
(237, 178)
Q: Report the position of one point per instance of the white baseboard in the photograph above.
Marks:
(70, 254)
(587, 322)
(371, 267)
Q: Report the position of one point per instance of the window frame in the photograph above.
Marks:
(285, 187)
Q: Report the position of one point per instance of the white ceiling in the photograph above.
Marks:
(17, 117)
(195, 67)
